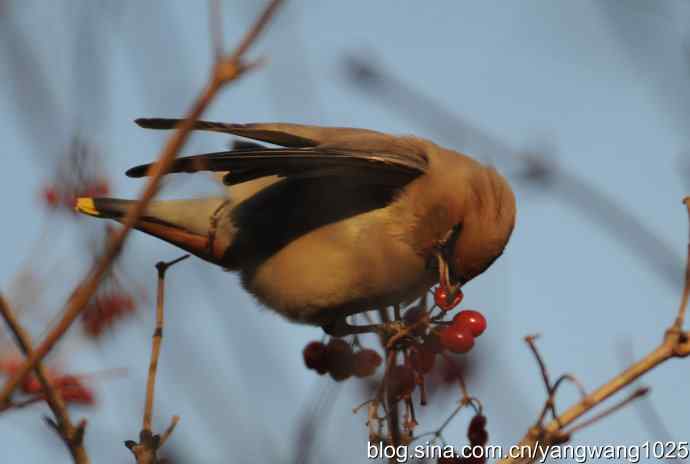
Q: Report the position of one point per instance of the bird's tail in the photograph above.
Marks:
(188, 224)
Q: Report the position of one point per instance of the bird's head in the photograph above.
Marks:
(482, 223)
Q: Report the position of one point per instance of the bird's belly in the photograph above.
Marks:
(339, 269)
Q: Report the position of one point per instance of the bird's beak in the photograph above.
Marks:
(446, 278)
(199, 245)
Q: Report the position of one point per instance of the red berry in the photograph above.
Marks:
(10, 365)
(457, 339)
(101, 187)
(340, 359)
(473, 320)
(441, 295)
(401, 382)
(315, 357)
(73, 391)
(128, 303)
(31, 384)
(365, 363)
(78, 396)
(51, 197)
(422, 359)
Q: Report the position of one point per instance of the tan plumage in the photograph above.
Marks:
(340, 221)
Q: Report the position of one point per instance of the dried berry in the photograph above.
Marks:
(422, 359)
(401, 382)
(432, 342)
(340, 359)
(316, 357)
(476, 431)
(366, 362)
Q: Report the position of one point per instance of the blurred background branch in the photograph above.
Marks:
(608, 87)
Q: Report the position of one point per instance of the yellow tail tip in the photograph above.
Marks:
(86, 205)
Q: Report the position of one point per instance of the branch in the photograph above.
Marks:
(72, 435)
(157, 339)
(676, 344)
(225, 70)
(146, 451)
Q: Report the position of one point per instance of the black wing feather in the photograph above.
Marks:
(248, 164)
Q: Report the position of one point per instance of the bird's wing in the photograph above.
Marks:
(311, 151)
(382, 163)
(286, 135)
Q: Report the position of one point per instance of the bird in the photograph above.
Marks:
(326, 222)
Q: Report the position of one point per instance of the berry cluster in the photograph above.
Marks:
(79, 173)
(458, 337)
(71, 388)
(422, 339)
(412, 341)
(339, 360)
(104, 310)
(62, 196)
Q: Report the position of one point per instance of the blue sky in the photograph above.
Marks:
(602, 86)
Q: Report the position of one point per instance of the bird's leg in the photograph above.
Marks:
(341, 328)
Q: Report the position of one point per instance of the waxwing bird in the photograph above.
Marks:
(334, 221)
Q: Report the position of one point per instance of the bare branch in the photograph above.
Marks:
(226, 70)
(169, 430)
(157, 340)
(639, 393)
(686, 289)
(146, 451)
(71, 435)
(676, 344)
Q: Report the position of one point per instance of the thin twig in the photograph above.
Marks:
(639, 393)
(670, 348)
(169, 430)
(676, 344)
(226, 70)
(162, 267)
(146, 451)
(550, 403)
(542, 365)
(686, 289)
(650, 417)
(392, 410)
(72, 435)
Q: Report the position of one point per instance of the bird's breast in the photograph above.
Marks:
(349, 266)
